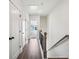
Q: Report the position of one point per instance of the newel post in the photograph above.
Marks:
(45, 50)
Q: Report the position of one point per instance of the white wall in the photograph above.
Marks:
(58, 26)
(43, 23)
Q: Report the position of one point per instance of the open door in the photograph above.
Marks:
(23, 32)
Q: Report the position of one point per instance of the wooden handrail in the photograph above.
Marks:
(58, 43)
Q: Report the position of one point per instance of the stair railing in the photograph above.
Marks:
(62, 40)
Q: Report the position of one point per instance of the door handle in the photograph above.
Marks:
(10, 38)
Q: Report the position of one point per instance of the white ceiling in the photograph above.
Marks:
(44, 6)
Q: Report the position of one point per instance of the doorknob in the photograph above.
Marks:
(10, 38)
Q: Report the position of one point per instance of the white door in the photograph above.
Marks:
(20, 33)
(23, 32)
(14, 32)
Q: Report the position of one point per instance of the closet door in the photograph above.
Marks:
(14, 32)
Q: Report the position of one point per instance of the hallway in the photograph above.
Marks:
(31, 50)
(37, 24)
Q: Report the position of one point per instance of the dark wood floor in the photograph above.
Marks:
(31, 50)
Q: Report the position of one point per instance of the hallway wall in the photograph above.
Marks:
(58, 26)
(43, 23)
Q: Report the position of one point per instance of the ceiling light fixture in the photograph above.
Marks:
(34, 7)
